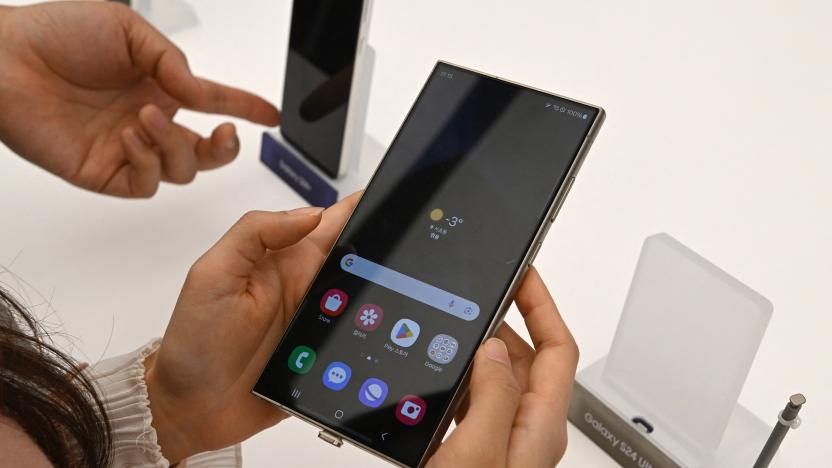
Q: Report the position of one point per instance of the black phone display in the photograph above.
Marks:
(323, 45)
(390, 325)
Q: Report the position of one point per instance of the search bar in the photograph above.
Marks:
(410, 287)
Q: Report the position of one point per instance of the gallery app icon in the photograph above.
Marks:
(373, 392)
(442, 348)
(337, 376)
(410, 410)
(369, 317)
(404, 333)
(301, 359)
(334, 302)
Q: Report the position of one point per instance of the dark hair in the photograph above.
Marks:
(45, 392)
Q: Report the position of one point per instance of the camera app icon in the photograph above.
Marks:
(410, 410)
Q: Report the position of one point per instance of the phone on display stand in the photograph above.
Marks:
(323, 109)
(380, 349)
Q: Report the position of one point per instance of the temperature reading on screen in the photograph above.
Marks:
(442, 224)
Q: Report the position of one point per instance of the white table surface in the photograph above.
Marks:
(718, 133)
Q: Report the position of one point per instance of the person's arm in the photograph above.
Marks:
(194, 387)
(123, 390)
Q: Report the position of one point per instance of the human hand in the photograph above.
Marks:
(237, 300)
(88, 91)
(515, 411)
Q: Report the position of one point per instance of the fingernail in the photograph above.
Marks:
(133, 138)
(496, 350)
(308, 211)
(233, 144)
(159, 120)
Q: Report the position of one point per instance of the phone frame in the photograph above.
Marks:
(335, 437)
(355, 118)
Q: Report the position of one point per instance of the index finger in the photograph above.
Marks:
(214, 98)
(156, 56)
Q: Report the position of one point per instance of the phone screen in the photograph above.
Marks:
(319, 69)
(394, 317)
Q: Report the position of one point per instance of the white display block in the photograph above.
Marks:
(684, 345)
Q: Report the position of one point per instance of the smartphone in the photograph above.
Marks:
(380, 348)
(323, 67)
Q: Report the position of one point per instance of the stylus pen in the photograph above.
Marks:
(787, 420)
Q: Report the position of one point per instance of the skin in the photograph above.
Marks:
(88, 91)
(235, 305)
(99, 88)
(238, 299)
(16, 445)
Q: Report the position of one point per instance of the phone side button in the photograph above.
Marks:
(563, 198)
(534, 252)
(330, 438)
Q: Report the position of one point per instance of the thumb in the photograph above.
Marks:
(237, 253)
(482, 437)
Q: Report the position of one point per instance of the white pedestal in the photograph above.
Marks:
(666, 395)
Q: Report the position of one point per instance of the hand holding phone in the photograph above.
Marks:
(232, 311)
(515, 412)
(428, 264)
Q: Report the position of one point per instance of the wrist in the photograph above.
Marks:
(173, 441)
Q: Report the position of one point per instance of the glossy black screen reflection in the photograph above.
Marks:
(491, 156)
(319, 70)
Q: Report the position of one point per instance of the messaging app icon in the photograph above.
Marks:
(337, 376)
(373, 392)
(404, 333)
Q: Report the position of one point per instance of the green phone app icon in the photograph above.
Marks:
(301, 359)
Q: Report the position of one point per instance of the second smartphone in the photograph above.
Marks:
(323, 71)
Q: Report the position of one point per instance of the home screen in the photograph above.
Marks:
(393, 319)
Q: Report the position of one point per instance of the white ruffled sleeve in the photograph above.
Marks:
(121, 386)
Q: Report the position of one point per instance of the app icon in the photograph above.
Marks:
(410, 410)
(368, 317)
(442, 348)
(373, 392)
(337, 376)
(405, 332)
(334, 302)
(301, 359)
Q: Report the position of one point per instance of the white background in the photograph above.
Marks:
(718, 132)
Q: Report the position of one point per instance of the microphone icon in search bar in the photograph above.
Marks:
(410, 287)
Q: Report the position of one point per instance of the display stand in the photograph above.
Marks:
(362, 151)
(666, 395)
(317, 188)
